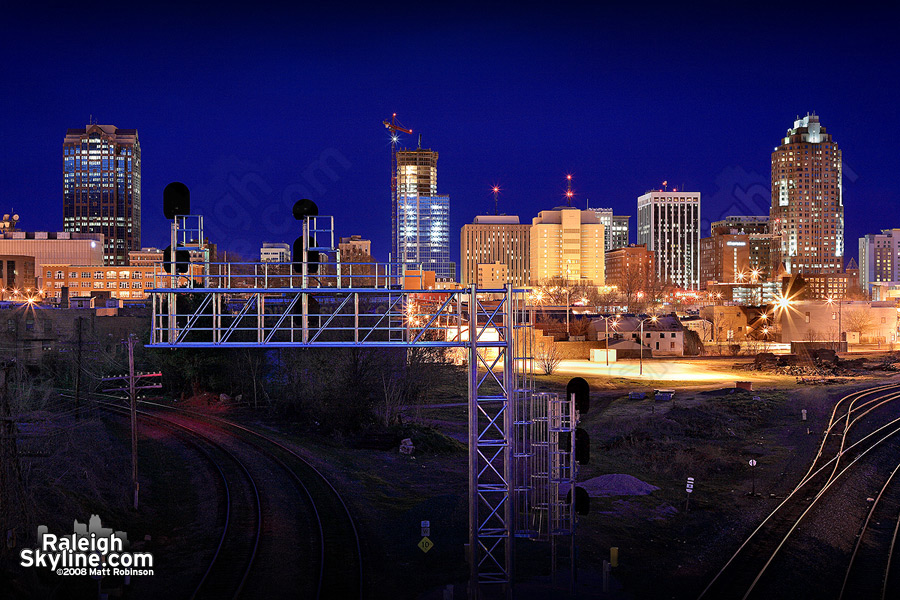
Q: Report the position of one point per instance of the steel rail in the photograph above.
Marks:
(806, 480)
(296, 477)
(177, 426)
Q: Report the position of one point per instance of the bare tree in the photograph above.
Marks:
(548, 357)
(558, 291)
(632, 285)
(722, 325)
(860, 321)
(580, 327)
(855, 292)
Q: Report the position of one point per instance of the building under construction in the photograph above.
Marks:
(420, 216)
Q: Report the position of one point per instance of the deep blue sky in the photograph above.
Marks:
(239, 102)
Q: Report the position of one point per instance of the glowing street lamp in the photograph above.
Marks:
(615, 324)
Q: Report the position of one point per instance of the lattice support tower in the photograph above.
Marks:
(247, 306)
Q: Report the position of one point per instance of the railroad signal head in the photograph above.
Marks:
(582, 500)
(305, 208)
(582, 446)
(176, 200)
(311, 256)
(582, 391)
(182, 260)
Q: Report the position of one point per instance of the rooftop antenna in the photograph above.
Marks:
(496, 190)
(420, 141)
(569, 192)
(666, 185)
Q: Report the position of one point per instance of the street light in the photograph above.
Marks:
(606, 321)
(654, 318)
(782, 304)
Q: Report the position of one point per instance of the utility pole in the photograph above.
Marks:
(78, 373)
(133, 399)
(133, 379)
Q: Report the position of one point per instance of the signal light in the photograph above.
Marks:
(582, 446)
(312, 307)
(312, 256)
(582, 391)
(182, 260)
(305, 208)
(176, 200)
(582, 500)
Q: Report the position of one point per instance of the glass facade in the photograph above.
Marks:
(102, 187)
(423, 230)
(422, 217)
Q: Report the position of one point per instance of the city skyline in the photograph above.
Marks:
(279, 116)
(586, 370)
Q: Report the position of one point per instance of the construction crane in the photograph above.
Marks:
(395, 128)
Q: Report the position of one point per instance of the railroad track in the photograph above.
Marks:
(339, 556)
(838, 455)
(234, 556)
(869, 573)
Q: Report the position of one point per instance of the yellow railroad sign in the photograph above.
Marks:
(425, 544)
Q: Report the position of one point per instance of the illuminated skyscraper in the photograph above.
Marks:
(494, 240)
(807, 213)
(102, 187)
(615, 228)
(423, 216)
(567, 243)
(669, 225)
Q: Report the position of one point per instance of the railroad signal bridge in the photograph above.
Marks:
(519, 471)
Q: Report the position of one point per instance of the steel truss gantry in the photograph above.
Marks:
(520, 443)
(491, 326)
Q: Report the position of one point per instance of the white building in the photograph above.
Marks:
(879, 259)
(275, 252)
(669, 225)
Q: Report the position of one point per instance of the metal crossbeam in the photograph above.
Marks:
(493, 331)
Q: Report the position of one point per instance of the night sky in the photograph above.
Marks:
(238, 103)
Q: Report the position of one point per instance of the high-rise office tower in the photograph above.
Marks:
(423, 216)
(879, 260)
(495, 240)
(615, 228)
(807, 204)
(102, 187)
(618, 233)
(669, 225)
(567, 243)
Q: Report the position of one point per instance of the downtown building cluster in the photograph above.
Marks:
(743, 258)
(715, 279)
(747, 259)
